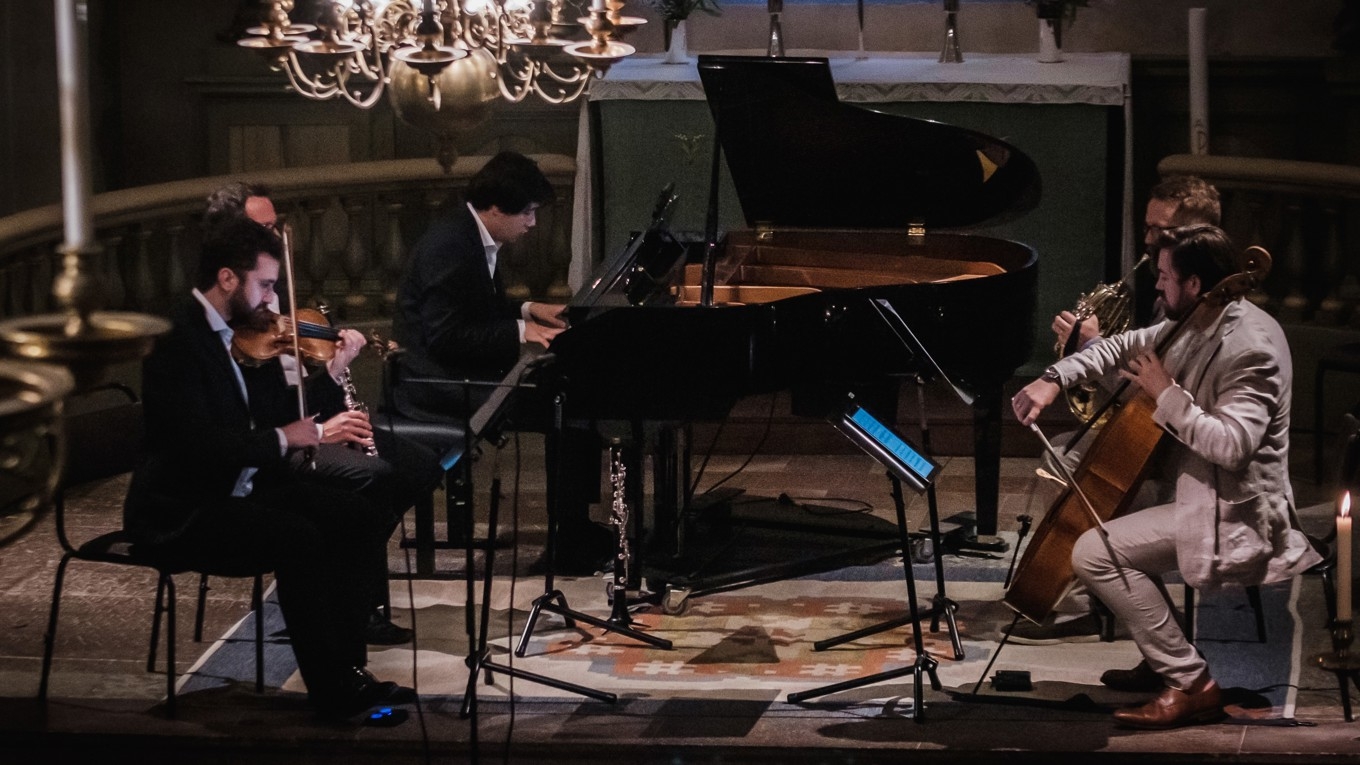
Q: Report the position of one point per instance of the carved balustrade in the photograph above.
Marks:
(353, 225)
(1302, 213)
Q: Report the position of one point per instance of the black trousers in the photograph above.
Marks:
(402, 472)
(321, 542)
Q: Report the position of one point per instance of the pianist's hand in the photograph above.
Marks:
(537, 333)
(548, 314)
(1033, 399)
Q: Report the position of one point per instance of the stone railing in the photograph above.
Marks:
(1298, 212)
(352, 227)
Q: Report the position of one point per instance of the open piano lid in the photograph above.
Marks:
(801, 159)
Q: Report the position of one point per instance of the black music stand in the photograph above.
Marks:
(941, 605)
(904, 463)
(485, 424)
(552, 600)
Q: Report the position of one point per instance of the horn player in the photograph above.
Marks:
(1179, 200)
(1224, 512)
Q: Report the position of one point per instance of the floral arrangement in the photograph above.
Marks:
(679, 10)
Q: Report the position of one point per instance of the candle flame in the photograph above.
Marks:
(1345, 511)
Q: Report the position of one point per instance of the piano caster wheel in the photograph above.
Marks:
(675, 601)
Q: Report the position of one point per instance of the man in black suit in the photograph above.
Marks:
(399, 474)
(215, 492)
(455, 320)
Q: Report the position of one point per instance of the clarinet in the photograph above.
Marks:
(353, 404)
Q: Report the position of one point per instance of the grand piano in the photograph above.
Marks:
(845, 206)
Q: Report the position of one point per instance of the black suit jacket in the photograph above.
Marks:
(199, 430)
(453, 318)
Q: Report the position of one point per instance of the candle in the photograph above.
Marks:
(1343, 559)
(1199, 84)
(75, 124)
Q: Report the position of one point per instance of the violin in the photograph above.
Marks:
(271, 334)
(1104, 485)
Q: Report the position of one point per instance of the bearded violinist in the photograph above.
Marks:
(399, 474)
(215, 490)
(1224, 509)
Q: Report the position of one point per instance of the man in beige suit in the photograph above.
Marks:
(1222, 390)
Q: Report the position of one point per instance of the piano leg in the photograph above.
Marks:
(987, 478)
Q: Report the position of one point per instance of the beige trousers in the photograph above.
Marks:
(1124, 570)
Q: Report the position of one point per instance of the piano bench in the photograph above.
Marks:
(448, 442)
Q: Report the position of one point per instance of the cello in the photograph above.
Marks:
(1104, 485)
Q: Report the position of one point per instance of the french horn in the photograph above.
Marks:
(1111, 304)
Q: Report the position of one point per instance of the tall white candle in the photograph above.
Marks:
(1199, 84)
(71, 18)
(1343, 559)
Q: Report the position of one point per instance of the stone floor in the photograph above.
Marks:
(105, 706)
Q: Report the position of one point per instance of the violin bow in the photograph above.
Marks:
(286, 235)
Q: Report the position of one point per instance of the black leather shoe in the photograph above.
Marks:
(381, 631)
(1140, 679)
(363, 691)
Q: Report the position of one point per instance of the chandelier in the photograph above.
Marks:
(443, 62)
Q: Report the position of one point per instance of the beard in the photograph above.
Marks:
(1176, 313)
(246, 316)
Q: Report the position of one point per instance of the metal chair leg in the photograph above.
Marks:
(202, 603)
(156, 623)
(168, 586)
(257, 603)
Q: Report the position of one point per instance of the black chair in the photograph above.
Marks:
(448, 440)
(101, 443)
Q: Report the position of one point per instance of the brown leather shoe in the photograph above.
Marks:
(1173, 708)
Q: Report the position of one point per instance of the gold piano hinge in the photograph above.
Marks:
(916, 232)
(764, 232)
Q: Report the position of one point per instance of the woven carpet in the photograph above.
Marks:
(756, 644)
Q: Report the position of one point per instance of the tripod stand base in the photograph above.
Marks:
(484, 664)
(555, 602)
(922, 668)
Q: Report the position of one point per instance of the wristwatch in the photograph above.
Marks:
(1051, 375)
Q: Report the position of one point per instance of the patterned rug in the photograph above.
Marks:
(756, 644)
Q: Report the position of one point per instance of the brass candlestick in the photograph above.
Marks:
(1342, 662)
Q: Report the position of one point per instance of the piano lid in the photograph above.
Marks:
(801, 159)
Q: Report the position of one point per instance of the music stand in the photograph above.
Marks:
(904, 462)
(485, 423)
(941, 605)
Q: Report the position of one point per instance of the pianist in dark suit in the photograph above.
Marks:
(455, 320)
(215, 492)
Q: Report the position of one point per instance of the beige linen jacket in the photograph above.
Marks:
(1228, 414)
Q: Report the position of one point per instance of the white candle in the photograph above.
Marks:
(1343, 559)
(1199, 84)
(75, 124)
